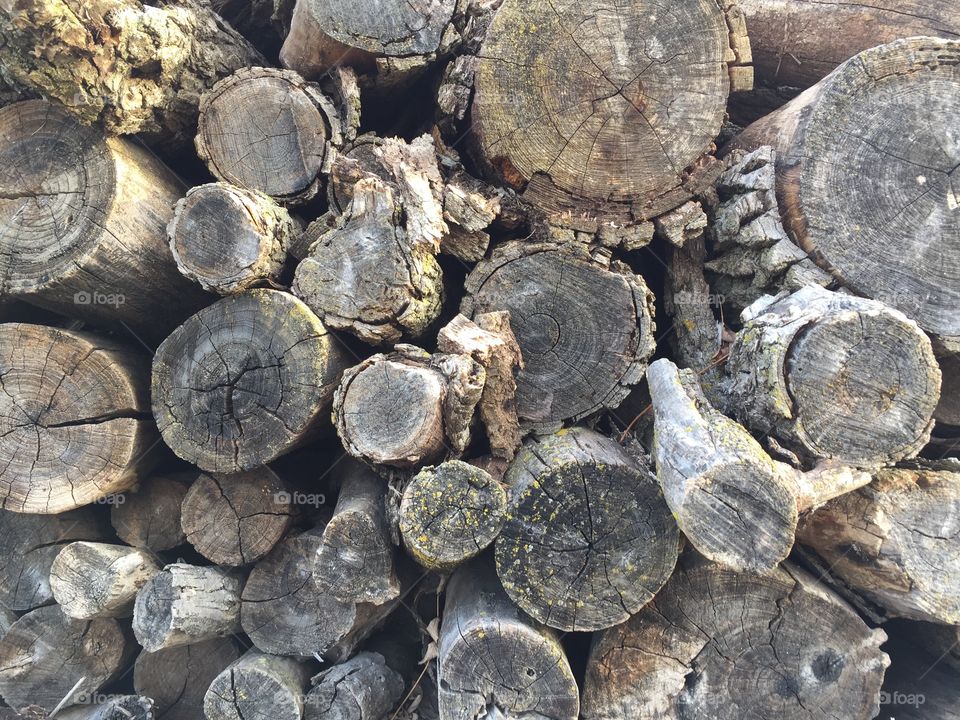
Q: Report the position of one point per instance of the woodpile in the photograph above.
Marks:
(479, 360)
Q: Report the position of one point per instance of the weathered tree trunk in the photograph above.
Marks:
(147, 79)
(47, 656)
(186, 604)
(718, 644)
(881, 115)
(83, 223)
(229, 239)
(285, 159)
(149, 516)
(835, 377)
(91, 580)
(588, 539)
(362, 688)
(112, 707)
(494, 661)
(258, 686)
(408, 408)
(177, 678)
(74, 418)
(236, 519)
(245, 381)
(561, 300)
(451, 513)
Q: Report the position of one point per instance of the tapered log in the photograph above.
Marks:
(408, 408)
(185, 604)
(229, 239)
(496, 662)
(560, 302)
(723, 645)
(91, 580)
(284, 159)
(83, 221)
(451, 513)
(28, 546)
(47, 656)
(588, 539)
(245, 381)
(112, 707)
(149, 516)
(880, 115)
(236, 519)
(362, 688)
(177, 678)
(74, 415)
(834, 376)
(147, 79)
(258, 686)
(569, 101)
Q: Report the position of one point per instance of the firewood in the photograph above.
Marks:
(149, 516)
(362, 688)
(148, 79)
(228, 239)
(28, 546)
(408, 408)
(258, 686)
(494, 660)
(355, 559)
(589, 538)
(74, 418)
(177, 678)
(112, 707)
(451, 513)
(892, 240)
(186, 604)
(236, 519)
(84, 220)
(948, 411)
(719, 644)
(834, 376)
(91, 580)
(245, 380)
(47, 656)
(284, 159)
(561, 300)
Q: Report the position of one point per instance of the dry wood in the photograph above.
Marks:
(258, 686)
(112, 707)
(186, 604)
(948, 411)
(362, 688)
(245, 380)
(149, 516)
(589, 539)
(74, 420)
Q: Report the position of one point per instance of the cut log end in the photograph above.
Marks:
(149, 517)
(257, 686)
(99, 580)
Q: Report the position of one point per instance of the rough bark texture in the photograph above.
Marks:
(258, 686)
(589, 539)
(74, 423)
(722, 645)
(362, 688)
(133, 67)
(149, 516)
(560, 301)
(245, 380)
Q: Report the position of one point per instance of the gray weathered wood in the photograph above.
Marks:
(258, 686)
(149, 516)
(112, 707)
(361, 688)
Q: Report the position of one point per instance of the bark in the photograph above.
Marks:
(245, 380)
(362, 688)
(112, 707)
(74, 424)
(589, 539)
(237, 519)
(722, 645)
(185, 604)
(83, 220)
(560, 301)
(258, 686)
(149, 516)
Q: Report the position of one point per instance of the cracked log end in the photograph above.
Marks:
(258, 686)
(149, 516)
(362, 688)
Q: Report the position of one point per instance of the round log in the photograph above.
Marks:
(258, 686)
(185, 604)
(112, 707)
(229, 239)
(585, 330)
(451, 513)
(149, 516)
(268, 130)
(589, 539)
(245, 380)
(83, 223)
(723, 645)
(835, 377)
(236, 519)
(362, 688)
(881, 115)
(74, 419)
(92, 580)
